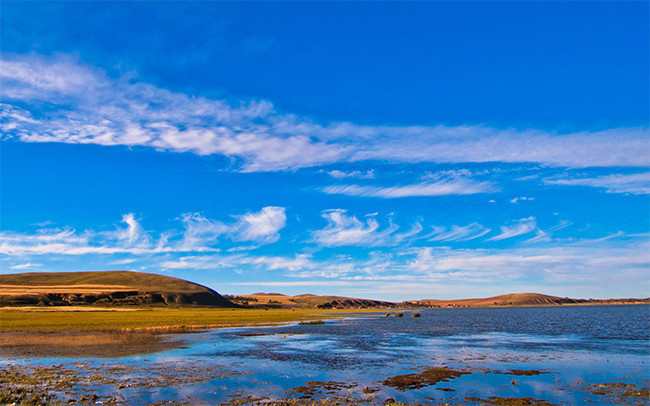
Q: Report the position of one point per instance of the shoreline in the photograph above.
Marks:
(85, 367)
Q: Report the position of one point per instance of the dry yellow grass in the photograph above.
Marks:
(151, 319)
(15, 290)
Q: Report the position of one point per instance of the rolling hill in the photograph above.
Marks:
(126, 288)
(340, 302)
(513, 299)
(108, 288)
(311, 301)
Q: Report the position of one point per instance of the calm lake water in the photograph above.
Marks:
(571, 354)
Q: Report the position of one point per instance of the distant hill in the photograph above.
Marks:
(310, 301)
(518, 299)
(279, 300)
(109, 288)
(125, 288)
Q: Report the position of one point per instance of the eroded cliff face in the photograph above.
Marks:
(356, 304)
(118, 298)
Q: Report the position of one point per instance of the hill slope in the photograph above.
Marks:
(513, 299)
(311, 301)
(109, 288)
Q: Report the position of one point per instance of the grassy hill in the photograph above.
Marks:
(279, 300)
(311, 301)
(109, 288)
(513, 299)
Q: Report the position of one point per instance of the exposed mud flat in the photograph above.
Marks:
(112, 344)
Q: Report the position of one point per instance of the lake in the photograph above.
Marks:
(541, 355)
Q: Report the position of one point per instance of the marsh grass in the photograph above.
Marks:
(159, 320)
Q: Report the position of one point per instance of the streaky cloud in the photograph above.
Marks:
(345, 230)
(88, 106)
(440, 188)
(523, 226)
(200, 235)
(638, 183)
(460, 233)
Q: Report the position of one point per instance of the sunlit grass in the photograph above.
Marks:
(172, 319)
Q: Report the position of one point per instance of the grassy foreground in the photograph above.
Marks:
(150, 319)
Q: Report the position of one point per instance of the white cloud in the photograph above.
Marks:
(133, 232)
(459, 233)
(272, 263)
(346, 230)
(87, 106)
(415, 230)
(201, 231)
(545, 235)
(200, 235)
(572, 267)
(25, 266)
(638, 183)
(125, 261)
(556, 264)
(318, 283)
(370, 174)
(262, 226)
(440, 188)
(523, 226)
(522, 199)
(238, 261)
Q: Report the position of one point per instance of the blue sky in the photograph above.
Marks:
(383, 150)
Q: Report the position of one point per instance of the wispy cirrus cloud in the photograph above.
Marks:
(25, 266)
(262, 227)
(569, 264)
(88, 106)
(545, 235)
(459, 233)
(521, 227)
(237, 261)
(346, 230)
(522, 199)
(342, 229)
(439, 188)
(337, 174)
(638, 183)
(200, 235)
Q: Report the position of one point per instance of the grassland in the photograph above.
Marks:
(21, 320)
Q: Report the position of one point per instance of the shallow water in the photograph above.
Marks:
(568, 351)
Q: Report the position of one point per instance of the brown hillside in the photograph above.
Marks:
(109, 288)
(513, 299)
(312, 301)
